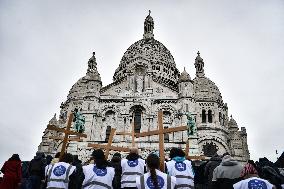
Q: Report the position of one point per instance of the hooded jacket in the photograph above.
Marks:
(226, 174)
(37, 166)
(209, 168)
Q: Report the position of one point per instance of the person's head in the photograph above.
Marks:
(225, 154)
(15, 157)
(117, 154)
(176, 152)
(252, 163)
(249, 171)
(153, 162)
(116, 157)
(99, 159)
(39, 155)
(134, 150)
(227, 158)
(67, 158)
(133, 154)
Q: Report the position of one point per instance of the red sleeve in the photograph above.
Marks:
(19, 172)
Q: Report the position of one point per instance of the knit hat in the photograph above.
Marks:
(248, 170)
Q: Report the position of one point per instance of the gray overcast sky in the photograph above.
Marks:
(45, 46)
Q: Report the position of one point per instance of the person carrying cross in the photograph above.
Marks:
(60, 174)
(98, 175)
(180, 168)
(155, 179)
(132, 167)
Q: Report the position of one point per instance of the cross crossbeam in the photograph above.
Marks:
(66, 132)
(108, 146)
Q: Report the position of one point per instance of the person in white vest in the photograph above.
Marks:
(180, 168)
(155, 179)
(58, 175)
(133, 166)
(98, 175)
(251, 179)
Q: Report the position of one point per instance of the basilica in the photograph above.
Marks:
(145, 82)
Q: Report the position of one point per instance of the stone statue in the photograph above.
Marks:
(191, 128)
(79, 120)
(139, 83)
(199, 64)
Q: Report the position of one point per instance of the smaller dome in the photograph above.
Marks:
(232, 123)
(206, 90)
(184, 77)
(53, 121)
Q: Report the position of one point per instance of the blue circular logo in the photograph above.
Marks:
(180, 166)
(132, 163)
(256, 184)
(59, 170)
(100, 172)
(150, 183)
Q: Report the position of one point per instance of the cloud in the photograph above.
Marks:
(45, 46)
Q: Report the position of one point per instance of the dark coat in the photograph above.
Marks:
(37, 167)
(226, 174)
(199, 180)
(209, 168)
(116, 164)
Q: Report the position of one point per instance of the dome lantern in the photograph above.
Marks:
(148, 27)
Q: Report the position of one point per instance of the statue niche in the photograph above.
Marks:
(139, 78)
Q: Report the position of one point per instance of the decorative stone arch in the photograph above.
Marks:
(137, 112)
(107, 108)
(147, 109)
(166, 107)
(223, 147)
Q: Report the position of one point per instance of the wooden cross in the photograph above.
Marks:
(66, 132)
(161, 131)
(132, 134)
(109, 147)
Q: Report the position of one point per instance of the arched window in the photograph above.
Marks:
(203, 116)
(224, 119)
(210, 116)
(108, 129)
(137, 120)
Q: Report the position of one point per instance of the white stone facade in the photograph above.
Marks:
(145, 82)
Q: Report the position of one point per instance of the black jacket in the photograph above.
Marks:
(209, 168)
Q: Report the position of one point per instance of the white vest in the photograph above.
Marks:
(253, 183)
(164, 181)
(131, 170)
(183, 173)
(97, 178)
(58, 175)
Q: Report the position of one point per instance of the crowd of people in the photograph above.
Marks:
(133, 172)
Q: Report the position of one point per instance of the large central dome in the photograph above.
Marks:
(151, 54)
